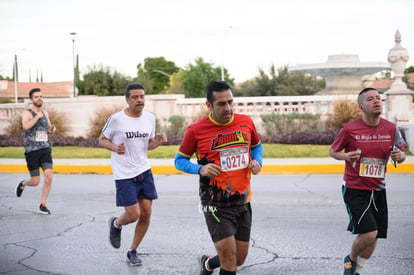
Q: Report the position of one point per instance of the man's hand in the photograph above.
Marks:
(397, 155)
(119, 148)
(52, 129)
(210, 170)
(39, 115)
(161, 138)
(255, 166)
(353, 156)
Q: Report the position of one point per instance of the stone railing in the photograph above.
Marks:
(80, 110)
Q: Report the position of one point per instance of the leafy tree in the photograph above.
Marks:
(176, 83)
(102, 81)
(144, 78)
(410, 85)
(195, 77)
(5, 78)
(155, 74)
(280, 81)
(409, 70)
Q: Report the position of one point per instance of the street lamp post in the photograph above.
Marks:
(222, 61)
(162, 72)
(15, 80)
(73, 34)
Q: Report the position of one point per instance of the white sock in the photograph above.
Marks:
(116, 226)
(206, 265)
(360, 264)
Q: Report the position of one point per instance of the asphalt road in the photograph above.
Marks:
(299, 227)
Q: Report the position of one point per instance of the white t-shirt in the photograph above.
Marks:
(135, 134)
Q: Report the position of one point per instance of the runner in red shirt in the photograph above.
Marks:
(228, 151)
(366, 144)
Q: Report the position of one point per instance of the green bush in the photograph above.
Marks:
(177, 125)
(275, 124)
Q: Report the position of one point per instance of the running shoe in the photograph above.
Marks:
(202, 262)
(20, 187)
(43, 209)
(349, 266)
(114, 233)
(133, 258)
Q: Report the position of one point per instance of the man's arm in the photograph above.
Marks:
(257, 159)
(50, 127)
(28, 121)
(106, 143)
(157, 141)
(397, 155)
(184, 164)
(349, 156)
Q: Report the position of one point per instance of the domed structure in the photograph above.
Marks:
(343, 73)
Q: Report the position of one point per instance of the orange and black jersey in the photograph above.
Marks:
(227, 145)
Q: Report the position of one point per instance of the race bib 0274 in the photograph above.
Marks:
(234, 158)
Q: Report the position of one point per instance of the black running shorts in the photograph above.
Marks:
(39, 158)
(367, 210)
(223, 222)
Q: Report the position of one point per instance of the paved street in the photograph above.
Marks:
(299, 226)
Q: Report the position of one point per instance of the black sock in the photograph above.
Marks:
(225, 272)
(214, 262)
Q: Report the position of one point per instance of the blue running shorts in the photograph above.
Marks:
(129, 191)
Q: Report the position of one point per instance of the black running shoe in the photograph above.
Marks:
(114, 233)
(44, 210)
(202, 262)
(20, 187)
(133, 258)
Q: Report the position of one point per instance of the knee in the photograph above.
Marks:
(134, 216)
(146, 213)
(35, 181)
(371, 236)
(48, 177)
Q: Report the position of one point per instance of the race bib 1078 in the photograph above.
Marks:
(372, 168)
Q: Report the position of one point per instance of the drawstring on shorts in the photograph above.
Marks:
(371, 200)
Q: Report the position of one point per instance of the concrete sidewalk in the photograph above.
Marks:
(166, 166)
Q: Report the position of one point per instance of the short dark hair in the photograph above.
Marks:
(361, 93)
(133, 86)
(216, 86)
(32, 91)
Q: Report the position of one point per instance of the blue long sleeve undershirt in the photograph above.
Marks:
(257, 154)
(184, 164)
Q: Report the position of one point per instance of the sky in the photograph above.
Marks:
(241, 35)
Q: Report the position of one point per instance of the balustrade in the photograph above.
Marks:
(81, 109)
